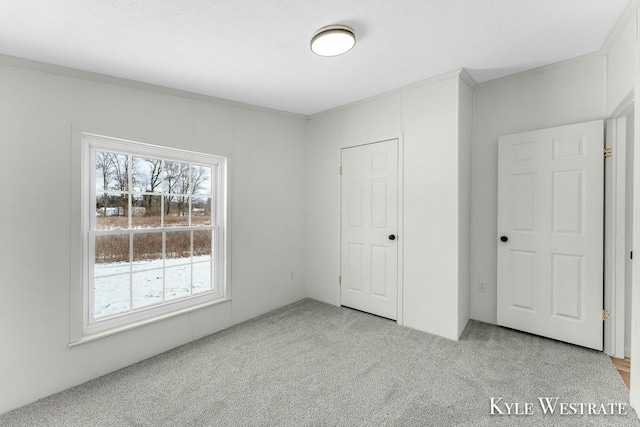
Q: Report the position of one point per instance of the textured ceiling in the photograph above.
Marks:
(257, 51)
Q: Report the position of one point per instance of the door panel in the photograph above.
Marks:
(522, 278)
(369, 259)
(550, 208)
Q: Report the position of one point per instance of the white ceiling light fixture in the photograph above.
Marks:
(333, 40)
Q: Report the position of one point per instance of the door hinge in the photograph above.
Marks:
(605, 315)
(340, 170)
(607, 153)
(339, 280)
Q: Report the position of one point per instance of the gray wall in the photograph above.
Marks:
(621, 74)
(465, 128)
(268, 210)
(436, 143)
(629, 232)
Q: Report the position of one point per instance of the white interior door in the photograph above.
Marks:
(550, 225)
(369, 223)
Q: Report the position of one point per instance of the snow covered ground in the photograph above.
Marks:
(149, 283)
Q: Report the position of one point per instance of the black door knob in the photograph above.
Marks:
(504, 239)
(392, 237)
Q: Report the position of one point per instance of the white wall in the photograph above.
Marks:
(268, 239)
(620, 83)
(465, 127)
(621, 67)
(629, 232)
(431, 240)
(426, 117)
(269, 212)
(565, 93)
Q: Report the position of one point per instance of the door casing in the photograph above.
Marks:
(615, 230)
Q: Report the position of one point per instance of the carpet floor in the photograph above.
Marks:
(315, 364)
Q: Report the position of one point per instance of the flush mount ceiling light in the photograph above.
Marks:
(333, 40)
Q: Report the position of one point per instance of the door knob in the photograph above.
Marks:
(504, 239)
(392, 237)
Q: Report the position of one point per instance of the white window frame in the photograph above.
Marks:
(96, 328)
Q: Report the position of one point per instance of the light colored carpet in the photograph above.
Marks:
(315, 364)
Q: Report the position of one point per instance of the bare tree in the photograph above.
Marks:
(150, 184)
(120, 170)
(199, 176)
(176, 178)
(181, 182)
(104, 164)
(155, 175)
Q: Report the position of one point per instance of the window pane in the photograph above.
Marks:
(147, 288)
(112, 211)
(202, 244)
(147, 251)
(176, 177)
(201, 180)
(202, 277)
(111, 295)
(146, 211)
(177, 282)
(112, 171)
(111, 269)
(111, 253)
(201, 210)
(147, 173)
(176, 211)
(178, 247)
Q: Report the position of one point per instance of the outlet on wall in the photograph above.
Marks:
(482, 286)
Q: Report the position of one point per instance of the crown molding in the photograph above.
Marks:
(543, 68)
(460, 73)
(43, 67)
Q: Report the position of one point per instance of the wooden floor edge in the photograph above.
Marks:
(624, 368)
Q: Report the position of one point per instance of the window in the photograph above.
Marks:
(154, 231)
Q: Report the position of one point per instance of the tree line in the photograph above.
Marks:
(148, 175)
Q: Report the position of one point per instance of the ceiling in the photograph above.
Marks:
(257, 51)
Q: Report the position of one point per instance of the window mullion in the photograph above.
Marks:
(191, 263)
(92, 189)
(130, 271)
(215, 257)
(164, 266)
(90, 286)
(130, 187)
(162, 194)
(130, 220)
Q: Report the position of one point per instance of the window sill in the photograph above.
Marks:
(98, 335)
